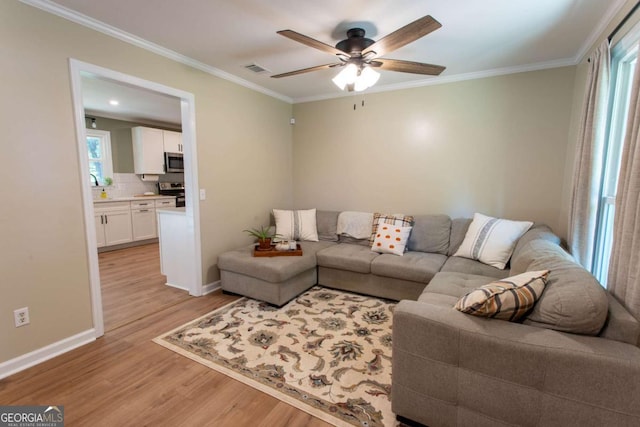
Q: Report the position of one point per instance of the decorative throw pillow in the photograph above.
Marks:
(507, 299)
(391, 239)
(491, 240)
(395, 219)
(296, 225)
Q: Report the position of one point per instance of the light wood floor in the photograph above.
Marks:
(132, 286)
(124, 379)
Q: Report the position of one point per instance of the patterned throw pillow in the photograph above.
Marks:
(296, 225)
(492, 240)
(391, 239)
(507, 299)
(396, 219)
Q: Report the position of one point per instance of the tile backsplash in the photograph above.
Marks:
(125, 185)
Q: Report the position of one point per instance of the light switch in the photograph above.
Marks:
(203, 194)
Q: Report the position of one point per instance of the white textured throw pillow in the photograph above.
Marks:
(492, 240)
(391, 239)
(296, 225)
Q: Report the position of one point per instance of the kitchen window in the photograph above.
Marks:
(99, 152)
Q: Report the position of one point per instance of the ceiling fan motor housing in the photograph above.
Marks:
(355, 43)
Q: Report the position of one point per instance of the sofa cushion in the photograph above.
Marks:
(522, 255)
(296, 225)
(270, 269)
(492, 240)
(344, 256)
(327, 223)
(438, 299)
(470, 266)
(506, 299)
(311, 248)
(430, 234)
(413, 266)
(391, 239)
(454, 285)
(343, 238)
(620, 324)
(573, 300)
(459, 227)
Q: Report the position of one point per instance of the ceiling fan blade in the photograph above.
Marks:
(306, 70)
(301, 38)
(408, 66)
(405, 35)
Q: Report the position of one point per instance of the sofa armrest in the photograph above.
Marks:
(445, 362)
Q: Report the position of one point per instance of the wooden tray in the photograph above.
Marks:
(273, 252)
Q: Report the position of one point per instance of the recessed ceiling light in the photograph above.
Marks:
(114, 102)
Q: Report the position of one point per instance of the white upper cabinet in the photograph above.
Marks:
(148, 150)
(173, 142)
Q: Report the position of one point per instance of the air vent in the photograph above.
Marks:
(256, 68)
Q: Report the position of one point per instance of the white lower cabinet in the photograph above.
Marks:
(120, 222)
(99, 220)
(143, 222)
(113, 223)
(117, 227)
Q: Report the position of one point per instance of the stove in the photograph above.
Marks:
(173, 189)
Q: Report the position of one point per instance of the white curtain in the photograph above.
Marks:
(589, 155)
(624, 268)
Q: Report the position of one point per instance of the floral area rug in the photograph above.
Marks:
(327, 352)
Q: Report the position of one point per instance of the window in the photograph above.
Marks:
(99, 152)
(623, 61)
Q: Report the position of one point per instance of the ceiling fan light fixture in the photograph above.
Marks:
(346, 76)
(367, 78)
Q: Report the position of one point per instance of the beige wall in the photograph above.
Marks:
(496, 145)
(43, 256)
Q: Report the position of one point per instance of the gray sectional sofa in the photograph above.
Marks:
(574, 360)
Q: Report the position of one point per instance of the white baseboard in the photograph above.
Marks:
(177, 286)
(211, 287)
(35, 357)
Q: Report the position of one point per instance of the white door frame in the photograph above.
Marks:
(187, 104)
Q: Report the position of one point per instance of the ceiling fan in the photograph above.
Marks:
(360, 55)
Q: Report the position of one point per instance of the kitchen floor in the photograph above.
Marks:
(132, 286)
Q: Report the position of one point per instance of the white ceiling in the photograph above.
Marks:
(477, 38)
(134, 103)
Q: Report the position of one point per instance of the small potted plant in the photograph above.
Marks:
(264, 236)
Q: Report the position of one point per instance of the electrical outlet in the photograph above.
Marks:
(203, 194)
(21, 316)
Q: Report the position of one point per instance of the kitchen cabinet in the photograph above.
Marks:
(143, 220)
(129, 219)
(99, 221)
(172, 141)
(115, 223)
(148, 150)
(165, 203)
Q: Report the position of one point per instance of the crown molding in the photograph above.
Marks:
(606, 19)
(94, 24)
(432, 81)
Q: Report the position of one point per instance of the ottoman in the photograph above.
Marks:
(275, 280)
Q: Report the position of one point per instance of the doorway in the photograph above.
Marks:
(187, 110)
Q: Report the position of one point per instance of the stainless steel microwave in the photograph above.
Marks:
(173, 162)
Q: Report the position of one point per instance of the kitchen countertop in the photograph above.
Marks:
(127, 199)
